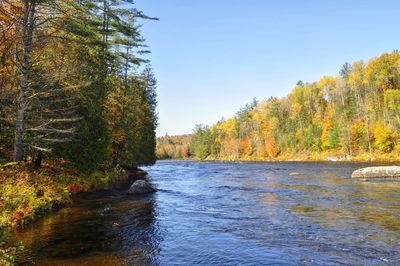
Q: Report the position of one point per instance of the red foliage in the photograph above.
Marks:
(73, 188)
(17, 218)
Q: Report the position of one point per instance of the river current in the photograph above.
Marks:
(214, 213)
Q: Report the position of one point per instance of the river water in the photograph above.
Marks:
(227, 214)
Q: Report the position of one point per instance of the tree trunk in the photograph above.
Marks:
(105, 26)
(27, 35)
(126, 66)
(350, 142)
(37, 162)
(368, 134)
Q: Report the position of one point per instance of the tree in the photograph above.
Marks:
(357, 83)
(392, 106)
(73, 60)
(29, 25)
(383, 138)
(36, 22)
(200, 143)
(272, 148)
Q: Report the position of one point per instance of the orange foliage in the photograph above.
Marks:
(9, 37)
(246, 148)
(272, 148)
(230, 147)
(184, 152)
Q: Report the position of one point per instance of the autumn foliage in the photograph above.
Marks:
(77, 102)
(74, 84)
(355, 115)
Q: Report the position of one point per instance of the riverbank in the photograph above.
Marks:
(318, 217)
(26, 194)
(277, 160)
(310, 157)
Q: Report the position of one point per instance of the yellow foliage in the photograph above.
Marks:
(383, 72)
(383, 138)
(295, 110)
(357, 132)
(328, 85)
(229, 127)
(356, 76)
(392, 103)
(326, 127)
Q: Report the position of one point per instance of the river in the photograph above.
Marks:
(210, 213)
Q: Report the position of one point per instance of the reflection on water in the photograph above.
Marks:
(103, 228)
(228, 214)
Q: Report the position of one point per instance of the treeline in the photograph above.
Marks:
(355, 115)
(174, 147)
(73, 84)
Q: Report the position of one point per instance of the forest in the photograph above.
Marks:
(352, 116)
(71, 85)
(77, 96)
(174, 147)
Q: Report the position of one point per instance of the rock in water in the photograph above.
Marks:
(141, 187)
(384, 172)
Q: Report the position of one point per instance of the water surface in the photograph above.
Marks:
(228, 214)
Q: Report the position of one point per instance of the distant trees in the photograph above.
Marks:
(201, 142)
(71, 83)
(354, 114)
(176, 147)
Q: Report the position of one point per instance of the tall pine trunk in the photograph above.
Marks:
(27, 36)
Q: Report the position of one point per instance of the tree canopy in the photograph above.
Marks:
(74, 85)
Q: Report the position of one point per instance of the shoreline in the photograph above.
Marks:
(27, 195)
(383, 161)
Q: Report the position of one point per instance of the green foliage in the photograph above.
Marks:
(200, 143)
(84, 97)
(90, 150)
(91, 101)
(334, 137)
(8, 253)
(132, 120)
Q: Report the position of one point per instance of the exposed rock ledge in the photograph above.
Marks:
(141, 187)
(383, 172)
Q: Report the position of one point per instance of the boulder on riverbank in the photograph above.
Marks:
(383, 172)
(141, 187)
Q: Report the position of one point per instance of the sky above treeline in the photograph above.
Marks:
(211, 57)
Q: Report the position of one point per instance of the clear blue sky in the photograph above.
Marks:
(211, 57)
